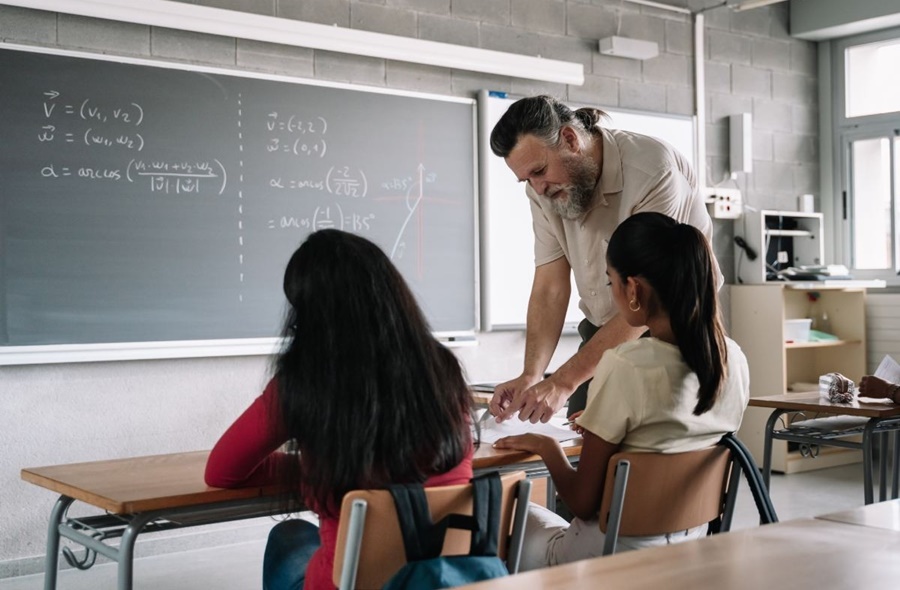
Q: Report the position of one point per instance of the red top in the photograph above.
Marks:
(245, 455)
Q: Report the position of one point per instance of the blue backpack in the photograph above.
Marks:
(423, 540)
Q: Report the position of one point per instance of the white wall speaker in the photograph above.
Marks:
(741, 140)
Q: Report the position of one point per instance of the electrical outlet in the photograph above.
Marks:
(724, 203)
(782, 257)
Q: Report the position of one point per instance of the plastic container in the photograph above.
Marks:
(797, 330)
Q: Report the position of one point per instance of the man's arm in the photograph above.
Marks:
(540, 401)
(550, 291)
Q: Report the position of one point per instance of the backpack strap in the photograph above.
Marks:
(487, 491)
(423, 539)
(419, 538)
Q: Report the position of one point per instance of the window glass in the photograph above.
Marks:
(871, 211)
(872, 86)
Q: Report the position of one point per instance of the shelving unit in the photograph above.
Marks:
(780, 239)
(757, 325)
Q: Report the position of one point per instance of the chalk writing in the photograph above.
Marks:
(295, 124)
(177, 177)
(88, 110)
(331, 216)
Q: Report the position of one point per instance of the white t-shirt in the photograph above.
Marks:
(639, 173)
(643, 396)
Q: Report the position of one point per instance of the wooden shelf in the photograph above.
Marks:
(820, 344)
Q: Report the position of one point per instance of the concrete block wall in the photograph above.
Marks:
(147, 407)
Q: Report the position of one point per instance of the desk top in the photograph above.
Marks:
(141, 484)
(810, 401)
(883, 515)
(805, 554)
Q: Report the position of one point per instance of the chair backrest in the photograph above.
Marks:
(658, 493)
(381, 552)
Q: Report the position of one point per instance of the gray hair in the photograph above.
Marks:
(542, 116)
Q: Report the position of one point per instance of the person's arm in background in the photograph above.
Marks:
(247, 453)
(547, 305)
(872, 386)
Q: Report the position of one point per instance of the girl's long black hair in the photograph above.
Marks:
(366, 392)
(677, 261)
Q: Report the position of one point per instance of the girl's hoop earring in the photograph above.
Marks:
(634, 305)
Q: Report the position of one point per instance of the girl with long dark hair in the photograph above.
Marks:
(364, 391)
(680, 389)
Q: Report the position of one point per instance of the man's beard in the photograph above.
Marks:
(584, 173)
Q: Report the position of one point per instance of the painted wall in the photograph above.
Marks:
(78, 412)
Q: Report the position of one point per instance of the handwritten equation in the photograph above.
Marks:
(338, 181)
(298, 136)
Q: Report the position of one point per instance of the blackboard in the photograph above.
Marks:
(141, 203)
(507, 239)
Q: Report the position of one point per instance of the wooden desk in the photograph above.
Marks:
(883, 419)
(805, 554)
(883, 515)
(162, 492)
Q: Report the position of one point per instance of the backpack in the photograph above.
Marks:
(426, 568)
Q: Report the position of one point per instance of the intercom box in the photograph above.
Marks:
(782, 241)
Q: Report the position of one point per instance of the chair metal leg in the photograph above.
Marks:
(514, 550)
(734, 482)
(354, 542)
(615, 511)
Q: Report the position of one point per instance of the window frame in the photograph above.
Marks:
(845, 131)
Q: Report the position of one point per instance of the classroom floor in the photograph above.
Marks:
(239, 566)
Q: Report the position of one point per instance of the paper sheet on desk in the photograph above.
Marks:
(491, 432)
(889, 370)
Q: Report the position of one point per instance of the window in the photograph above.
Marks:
(867, 167)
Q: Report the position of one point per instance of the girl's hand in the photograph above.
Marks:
(575, 426)
(532, 443)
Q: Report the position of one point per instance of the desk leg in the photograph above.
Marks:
(868, 434)
(767, 446)
(895, 466)
(882, 465)
(126, 550)
(51, 561)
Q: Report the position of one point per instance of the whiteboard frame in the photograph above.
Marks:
(510, 291)
(151, 350)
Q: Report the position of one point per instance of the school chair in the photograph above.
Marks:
(370, 548)
(658, 493)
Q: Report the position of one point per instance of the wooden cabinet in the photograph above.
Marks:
(758, 313)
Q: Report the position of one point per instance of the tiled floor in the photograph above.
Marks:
(238, 566)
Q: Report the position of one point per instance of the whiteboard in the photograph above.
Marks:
(507, 239)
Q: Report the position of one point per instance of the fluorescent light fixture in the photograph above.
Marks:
(750, 4)
(631, 48)
(270, 29)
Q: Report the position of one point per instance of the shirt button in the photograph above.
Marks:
(586, 261)
(593, 293)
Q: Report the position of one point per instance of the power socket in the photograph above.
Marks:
(724, 203)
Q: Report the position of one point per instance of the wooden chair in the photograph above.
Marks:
(369, 546)
(667, 493)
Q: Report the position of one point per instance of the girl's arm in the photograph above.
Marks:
(246, 454)
(582, 488)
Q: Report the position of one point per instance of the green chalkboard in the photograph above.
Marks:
(141, 203)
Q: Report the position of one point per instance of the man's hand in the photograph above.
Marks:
(505, 393)
(538, 403)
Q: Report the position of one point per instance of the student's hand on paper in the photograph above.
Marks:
(538, 403)
(573, 425)
(532, 443)
(872, 386)
(505, 393)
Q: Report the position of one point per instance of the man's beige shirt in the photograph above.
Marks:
(639, 173)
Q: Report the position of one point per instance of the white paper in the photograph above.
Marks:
(491, 431)
(888, 370)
